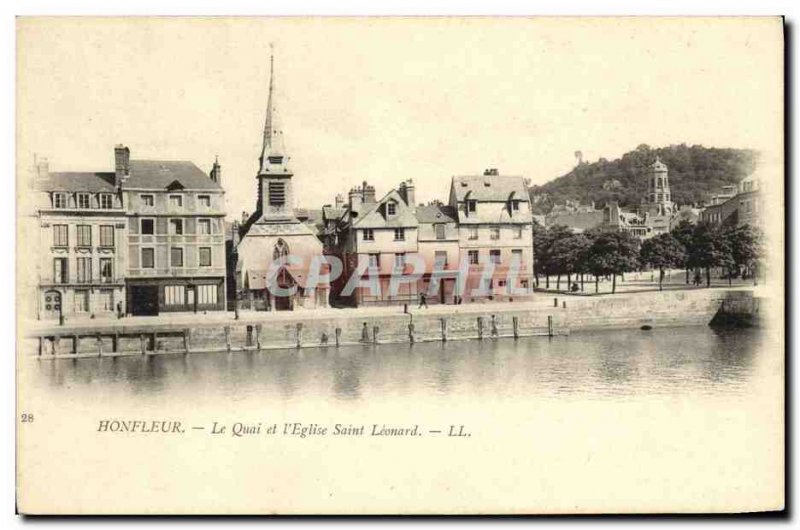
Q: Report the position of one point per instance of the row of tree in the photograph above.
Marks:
(702, 247)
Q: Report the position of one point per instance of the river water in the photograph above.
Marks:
(680, 418)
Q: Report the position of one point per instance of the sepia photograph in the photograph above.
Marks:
(399, 265)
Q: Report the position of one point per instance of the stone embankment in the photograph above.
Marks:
(545, 316)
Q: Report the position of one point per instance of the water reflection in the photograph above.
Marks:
(599, 364)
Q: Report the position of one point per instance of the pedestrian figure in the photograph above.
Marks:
(423, 301)
(697, 280)
(119, 309)
(364, 333)
(574, 287)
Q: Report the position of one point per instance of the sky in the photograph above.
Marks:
(384, 100)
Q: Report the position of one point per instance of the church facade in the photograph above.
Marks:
(279, 258)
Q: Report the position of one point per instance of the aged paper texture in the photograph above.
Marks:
(400, 265)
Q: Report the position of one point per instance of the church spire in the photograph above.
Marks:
(272, 148)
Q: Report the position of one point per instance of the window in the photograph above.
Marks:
(174, 295)
(472, 232)
(369, 234)
(176, 257)
(60, 236)
(147, 200)
(391, 208)
(83, 200)
(106, 235)
(106, 300)
(494, 255)
(439, 230)
(204, 201)
(148, 258)
(82, 301)
(204, 226)
(514, 206)
(473, 257)
(494, 232)
(59, 200)
(399, 261)
(106, 270)
(472, 206)
(440, 258)
(205, 256)
(106, 201)
(206, 294)
(516, 256)
(176, 201)
(176, 226)
(147, 227)
(277, 193)
(84, 270)
(60, 270)
(84, 235)
(374, 261)
(517, 232)
(399, 234)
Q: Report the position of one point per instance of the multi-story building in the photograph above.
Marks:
(736, 205)
(495, 235)
(82, 231)
(175, 237)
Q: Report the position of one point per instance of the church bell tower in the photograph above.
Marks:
(658, 194)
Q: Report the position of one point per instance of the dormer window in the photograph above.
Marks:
(176, 201)
(515, 206)
(391, 208)
(472, 205)
(106, 201)
(147, 200)
(83, 200)
(59, 200)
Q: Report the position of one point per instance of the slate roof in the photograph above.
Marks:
(93, 182)
(436, 213)
(159, 174)
(490, 188)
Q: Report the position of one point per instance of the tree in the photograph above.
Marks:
(612, 253)
(544, 244)
(568, 252)
(682, 232)
(745, 246)
(662, 252)
(709, 248)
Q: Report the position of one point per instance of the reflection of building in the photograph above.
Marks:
(176, 239)
(273, 234)
(81, 249)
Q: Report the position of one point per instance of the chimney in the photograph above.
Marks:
(491, 172)
(245, 216)
(407, 192)
(216, 172)
(368, 193)
(122, 162)
(354, 198)
(42, 167)
(339, 200)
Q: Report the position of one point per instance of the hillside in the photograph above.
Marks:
(694, 173)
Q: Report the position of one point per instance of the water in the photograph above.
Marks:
(668, 419)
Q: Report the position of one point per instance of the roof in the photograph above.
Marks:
(331, 212)
(491, 188)
(78, 181)
(160, 174)
(436, 213)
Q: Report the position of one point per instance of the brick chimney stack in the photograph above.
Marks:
(122, 163)
(216, 172)
(407, 192)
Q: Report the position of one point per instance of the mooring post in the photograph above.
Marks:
(494, 326)
(338, 336)
(555, 302)
(564, 304)
(375, 330)
(411, 333)
(142, 344)
(444, 329)
(99, 345)
(549, 325)
(299, 333)
(155, 342)
(115, 342)
(480, 328)
(515, 324)
(258, 337)
(75, 344)
(41, 345)
(186, 340)
(228, 338)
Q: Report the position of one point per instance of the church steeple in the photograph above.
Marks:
(272, 150)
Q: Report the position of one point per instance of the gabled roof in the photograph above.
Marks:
(168, 174)
(436, 213)
(490, 188)
(92, 182)
(371, 215)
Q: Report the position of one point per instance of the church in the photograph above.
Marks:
(275, 247)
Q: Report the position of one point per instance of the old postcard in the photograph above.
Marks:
(400, 265)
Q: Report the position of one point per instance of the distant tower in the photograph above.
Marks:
(275, 194)
(658, 195)
(578, 158)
